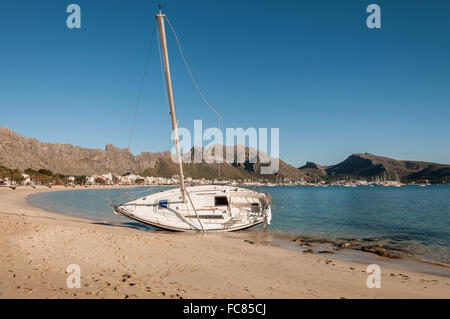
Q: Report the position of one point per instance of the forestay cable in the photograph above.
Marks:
(219, 116)
(141, 86)
(190, 73)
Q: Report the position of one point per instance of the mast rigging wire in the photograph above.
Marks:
(219, 116)
(141, 86)
(190, 73)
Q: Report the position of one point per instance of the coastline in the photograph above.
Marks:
(122, 262)
(365, 250)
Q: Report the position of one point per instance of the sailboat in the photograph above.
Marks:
(205, 208)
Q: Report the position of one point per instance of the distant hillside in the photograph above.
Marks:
(370, 166)
(313, 171)
(17, 152)
(433, 172)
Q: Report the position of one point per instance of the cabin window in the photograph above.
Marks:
(164, 203)
(255, 207)
(221, 201)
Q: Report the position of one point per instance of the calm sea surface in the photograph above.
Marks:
(411, 218)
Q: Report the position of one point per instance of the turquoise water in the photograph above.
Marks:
(410, 218)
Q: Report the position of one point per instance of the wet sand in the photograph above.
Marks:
(36, 246)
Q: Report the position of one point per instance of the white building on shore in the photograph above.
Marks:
(26, 179)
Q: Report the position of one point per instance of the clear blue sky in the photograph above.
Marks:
(311, 68)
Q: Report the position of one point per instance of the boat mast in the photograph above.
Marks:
(162, 34)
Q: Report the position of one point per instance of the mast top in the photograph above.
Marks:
(160, 14)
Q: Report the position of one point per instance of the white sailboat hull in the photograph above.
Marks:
(205, 208)
(209, 208)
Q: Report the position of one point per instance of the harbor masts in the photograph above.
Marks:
(162, 34)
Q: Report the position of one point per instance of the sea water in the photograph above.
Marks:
(410, 218)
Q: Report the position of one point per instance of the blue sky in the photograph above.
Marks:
(311, 68)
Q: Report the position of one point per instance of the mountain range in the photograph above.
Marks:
(369, 166)
(17, 152)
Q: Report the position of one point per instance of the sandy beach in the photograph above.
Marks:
(36, 246)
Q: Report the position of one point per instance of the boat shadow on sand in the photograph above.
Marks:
(134, 225)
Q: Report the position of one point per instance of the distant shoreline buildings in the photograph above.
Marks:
(130, 179)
